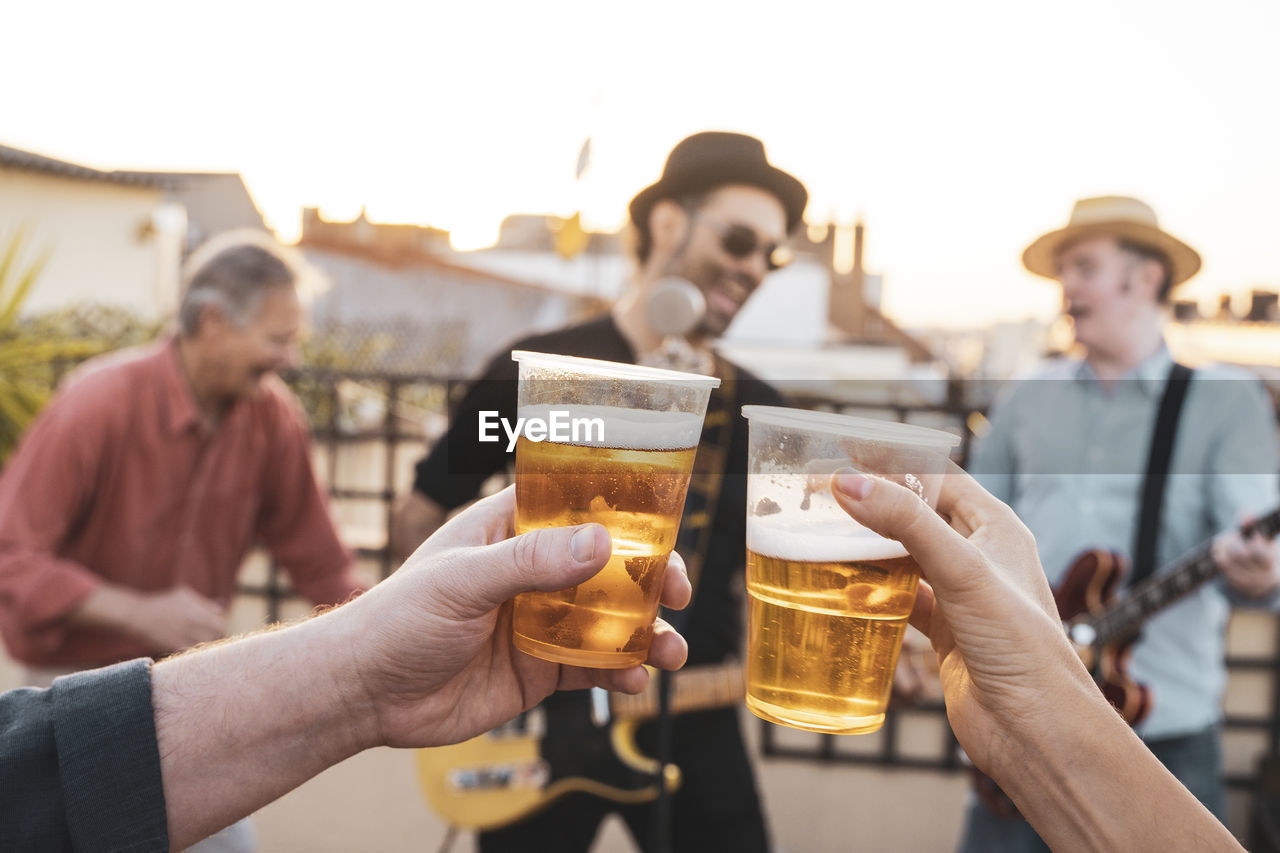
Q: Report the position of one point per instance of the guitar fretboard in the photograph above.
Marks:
(1124, 618)
(696, 689)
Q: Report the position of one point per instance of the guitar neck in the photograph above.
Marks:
(696, 689)
(1125, 618)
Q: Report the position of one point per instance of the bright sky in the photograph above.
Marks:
(959, 131)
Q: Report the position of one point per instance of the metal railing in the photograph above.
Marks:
(321, 390)
(889, 750)
(327, 392)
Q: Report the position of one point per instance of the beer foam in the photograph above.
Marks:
(824, 540)
(625, 429)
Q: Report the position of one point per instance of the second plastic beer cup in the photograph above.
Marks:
(619, 451)
(828, 600)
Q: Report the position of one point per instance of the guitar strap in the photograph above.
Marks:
(1157, 476)
(694, 539)
(1144, 550)
(694, 542)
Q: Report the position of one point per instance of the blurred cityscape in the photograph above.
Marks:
(400, 298)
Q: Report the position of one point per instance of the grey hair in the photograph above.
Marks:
(234, 272)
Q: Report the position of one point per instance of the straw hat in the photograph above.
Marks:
(1124, 218)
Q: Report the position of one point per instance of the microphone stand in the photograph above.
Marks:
(675, 307)
(660, 840)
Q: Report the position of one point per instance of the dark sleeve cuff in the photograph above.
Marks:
(108, 759)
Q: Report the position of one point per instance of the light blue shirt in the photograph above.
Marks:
(1069, 454)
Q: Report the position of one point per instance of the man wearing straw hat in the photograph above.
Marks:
(1070, 448)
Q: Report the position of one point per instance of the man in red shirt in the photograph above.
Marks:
(127, 509)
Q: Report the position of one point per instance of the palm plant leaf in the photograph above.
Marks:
(25, 280)
(7, 260)
(34, 352)
(26, 360)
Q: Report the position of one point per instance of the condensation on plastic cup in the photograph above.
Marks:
(828, 598)
(631, 476)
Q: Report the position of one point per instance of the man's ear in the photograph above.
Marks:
(210, 319)
(1148, 276)
(668, 224)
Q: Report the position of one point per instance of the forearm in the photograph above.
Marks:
(42, 588)
(240, 724)
(1091, 784)
(108, 606)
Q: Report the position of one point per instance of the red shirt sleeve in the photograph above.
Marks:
(45, 487)
(294, 523)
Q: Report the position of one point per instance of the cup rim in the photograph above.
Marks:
(852, 426)
(614, 369)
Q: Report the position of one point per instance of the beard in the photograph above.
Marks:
(725, 292)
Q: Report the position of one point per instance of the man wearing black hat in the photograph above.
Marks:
(717, 219)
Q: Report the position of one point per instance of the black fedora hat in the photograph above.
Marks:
(714, 158)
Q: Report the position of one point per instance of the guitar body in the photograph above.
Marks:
(1089, 587)
(501, 777)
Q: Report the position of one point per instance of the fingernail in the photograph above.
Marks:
(853, 484)
(583, 544)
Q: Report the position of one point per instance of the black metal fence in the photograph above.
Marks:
(887, 748)
(332, 400)
(343, 416)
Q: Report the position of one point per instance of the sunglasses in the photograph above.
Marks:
(741, 242)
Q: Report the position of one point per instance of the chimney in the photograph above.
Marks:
(1224, 308)
(310, 223)
(1186, 310)
(846, 304)
(1262, 306)
(857, 254)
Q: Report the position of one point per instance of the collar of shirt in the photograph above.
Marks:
(184, 413)
(1150, 374)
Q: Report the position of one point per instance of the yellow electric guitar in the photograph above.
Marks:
(586, 743)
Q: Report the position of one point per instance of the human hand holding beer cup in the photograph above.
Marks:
(984, 603)
(828, 599)
(434, 640)
(1019, 700)
(627, 469)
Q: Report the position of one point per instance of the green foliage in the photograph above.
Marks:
(26, 361)
(33, 352)
(343, 382)
(109, 327)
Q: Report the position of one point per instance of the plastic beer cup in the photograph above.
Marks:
(619, 451)
(828, 600)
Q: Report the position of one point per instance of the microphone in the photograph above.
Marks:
(674, 307)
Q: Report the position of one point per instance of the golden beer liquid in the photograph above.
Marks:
(638, 495)
(823, 639)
